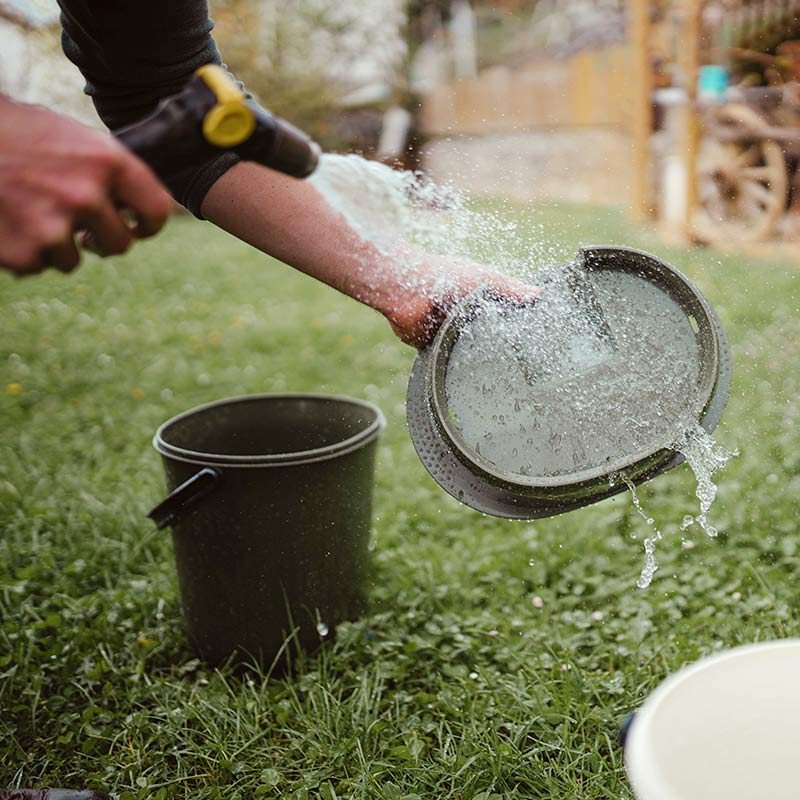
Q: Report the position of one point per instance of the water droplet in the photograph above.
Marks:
(705, 457)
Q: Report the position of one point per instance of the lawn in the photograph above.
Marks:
(497, 657)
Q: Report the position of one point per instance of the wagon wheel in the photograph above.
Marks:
(742, 185)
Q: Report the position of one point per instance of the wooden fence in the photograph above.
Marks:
(592, 88)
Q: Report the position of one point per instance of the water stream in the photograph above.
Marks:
(705, 457)
(650, 564)
(403, 211)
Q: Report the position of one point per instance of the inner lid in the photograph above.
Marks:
(605, 369)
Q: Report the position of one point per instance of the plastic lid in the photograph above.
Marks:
(527, 410)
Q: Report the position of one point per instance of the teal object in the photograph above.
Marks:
(270, 508)
(712, 81)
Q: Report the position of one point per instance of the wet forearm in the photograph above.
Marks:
(292, 221)
(288, 219)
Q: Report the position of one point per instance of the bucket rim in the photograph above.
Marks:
(644, 775)
(298, 458)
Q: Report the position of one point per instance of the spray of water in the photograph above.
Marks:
(705, 457)
(413, 222)
(410, 219)
(650, 564)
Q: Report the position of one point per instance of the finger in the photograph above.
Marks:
(514, 294)
(106, 231)
(18, 253)
(24, 269)
(505, 287)
(64, 256)
(27, 271)
(522, 292)
(138, 189)
(506, 290)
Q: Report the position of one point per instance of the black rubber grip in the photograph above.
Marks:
(171, 138)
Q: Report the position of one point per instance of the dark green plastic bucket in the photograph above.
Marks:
(270, 507)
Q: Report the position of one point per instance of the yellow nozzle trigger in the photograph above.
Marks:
(230, 121)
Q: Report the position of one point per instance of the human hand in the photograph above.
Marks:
(432, 287)
(58, 177)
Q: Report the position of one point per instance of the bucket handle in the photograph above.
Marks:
(185, 496)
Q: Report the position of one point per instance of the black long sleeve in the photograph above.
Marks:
(132, 54)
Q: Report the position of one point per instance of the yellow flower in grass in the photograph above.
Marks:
(15, 389)
(137, 393)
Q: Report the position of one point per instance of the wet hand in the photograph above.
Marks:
(417, 313)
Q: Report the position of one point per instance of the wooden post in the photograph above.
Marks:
(691, 68)
(639, 17)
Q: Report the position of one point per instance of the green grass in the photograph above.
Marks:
(456, 684)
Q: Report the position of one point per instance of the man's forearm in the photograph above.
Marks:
(288, 219)
(291, 220)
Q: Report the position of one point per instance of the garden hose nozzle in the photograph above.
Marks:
(212, 115)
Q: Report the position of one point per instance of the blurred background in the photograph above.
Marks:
(684, 112)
